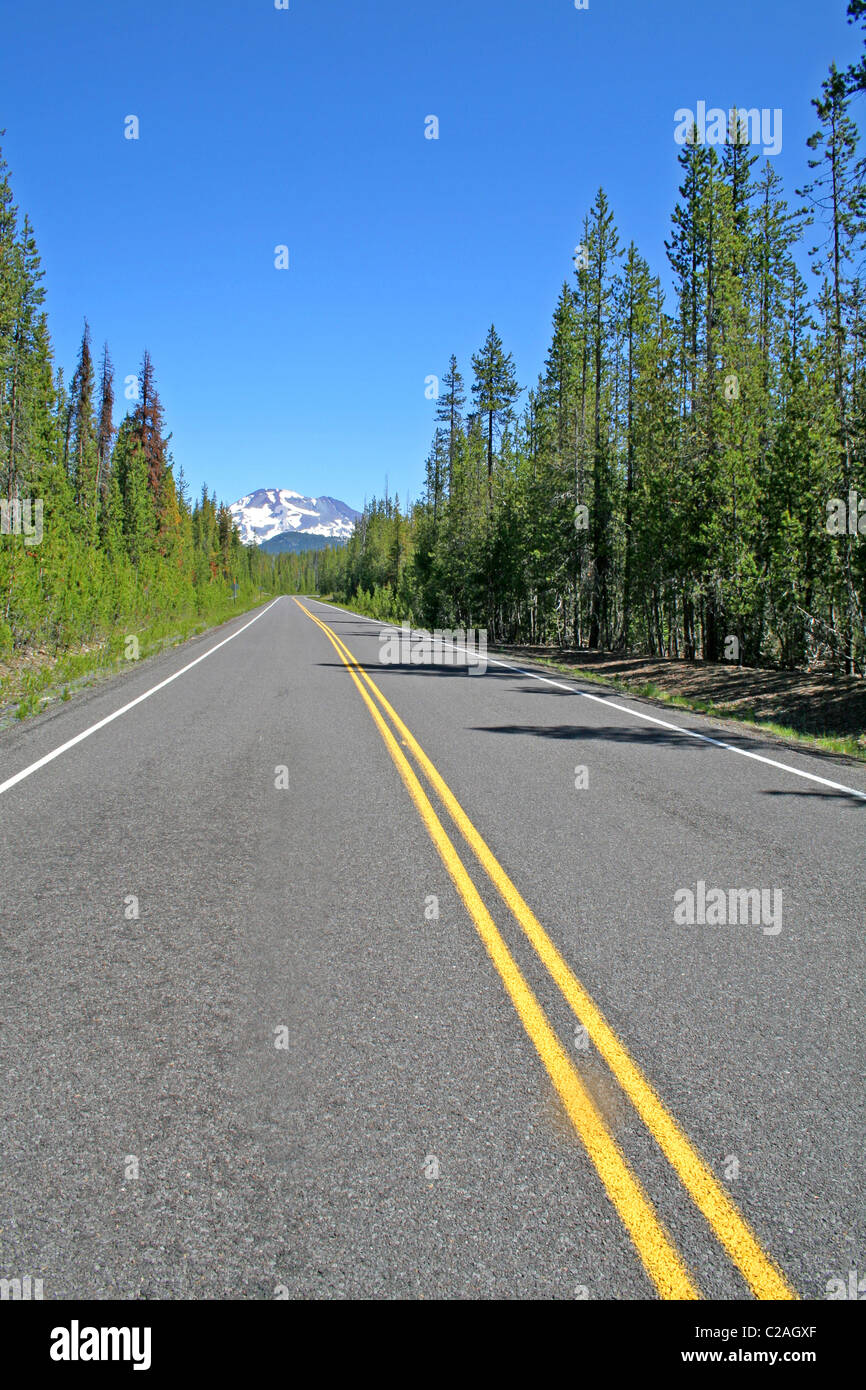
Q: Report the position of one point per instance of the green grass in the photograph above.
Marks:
(77, 668)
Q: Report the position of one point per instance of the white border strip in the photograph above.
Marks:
(49, 757)
(612, 704)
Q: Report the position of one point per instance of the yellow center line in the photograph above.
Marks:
(735, 1235)
(660, 1258)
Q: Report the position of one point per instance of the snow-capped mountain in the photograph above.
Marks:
(272, 511)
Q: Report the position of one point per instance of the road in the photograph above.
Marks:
(303, 1000)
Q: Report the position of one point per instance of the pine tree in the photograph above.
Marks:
(637, 293)
(105, 431)
(837, 197)
(556, 481)
(494, 390)
(21, 294)
(856, 74)
(602, 253)
(149, 425)
(439, 467)
(83, 452)
(449, 412)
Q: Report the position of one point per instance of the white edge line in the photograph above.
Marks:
(70, 743)
(612, 704)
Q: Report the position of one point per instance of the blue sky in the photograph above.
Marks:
(305, 128)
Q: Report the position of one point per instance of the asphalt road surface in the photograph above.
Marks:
(307, 994)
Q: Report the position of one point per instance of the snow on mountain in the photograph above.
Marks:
(272, 511)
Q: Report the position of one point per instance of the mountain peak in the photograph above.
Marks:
(273, 511)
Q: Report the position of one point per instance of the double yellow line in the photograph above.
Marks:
(659, 1255)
